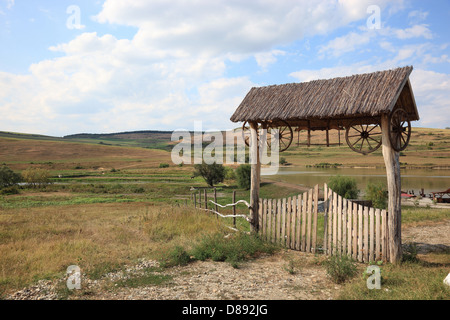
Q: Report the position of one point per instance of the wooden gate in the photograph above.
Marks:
(334, 226)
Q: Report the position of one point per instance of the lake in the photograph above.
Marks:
(412, 179)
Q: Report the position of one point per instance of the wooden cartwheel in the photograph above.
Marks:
(285, 134)
(365, 137)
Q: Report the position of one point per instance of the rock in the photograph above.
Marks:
(447, 280)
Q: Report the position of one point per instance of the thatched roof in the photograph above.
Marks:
(338, 99)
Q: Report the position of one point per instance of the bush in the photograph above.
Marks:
(243, 175)
(175, 257)
(234, 249)
(377, 193)
(163, 165)
(8, 178)
(212, 173)
(344, 186)
(340, 268)
(36, 177)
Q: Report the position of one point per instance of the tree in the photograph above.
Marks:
(243, 175)
(377, 193)
(212, 173)
(344, 186)
(36, 177)
(8, 178)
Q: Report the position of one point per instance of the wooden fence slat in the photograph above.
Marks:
(304, 209)
(299, 220)
(335, 212)
(325, 219)
(344, 226)
(355, 232)
(283, 221)
(288, 222)
(293, 216)
(315, 213)
(366, 235)
(260, 214)
(206, 198)
(278, 231)
(360, 233)
(371, 234)
(384, 246)
(349, 228)
(309, 222)
(339, 224)
(377, 234)
(331, 195)
(274, 220)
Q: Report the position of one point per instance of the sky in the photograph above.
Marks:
(108, 66)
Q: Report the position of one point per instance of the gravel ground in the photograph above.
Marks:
(287, 275)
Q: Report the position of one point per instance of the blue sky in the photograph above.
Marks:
(106, 66)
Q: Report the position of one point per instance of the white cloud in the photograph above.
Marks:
(416, 31)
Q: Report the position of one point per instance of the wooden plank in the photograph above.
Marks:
(344, 226)
(366, 235)
(298, 240)
(360, 233)
(274, 220)
(200, 198)
(349, 228)
(377, 234)
(315, 213)
(355, 232)
(371, 234)
(293, 220)
(234, 208)
(216, 208)
(339, 225)
(288, 222)
(309, 222)
(269, 220)
(260, 216)
(283, 222)
(195, 200)
(335, 212)
(331, 195)
(278, 231)
(384, 235)
(304, 214)
(325, 219)
(206, 198)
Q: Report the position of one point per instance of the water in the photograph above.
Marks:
(412, 179)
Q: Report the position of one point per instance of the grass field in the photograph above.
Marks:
(110, 205)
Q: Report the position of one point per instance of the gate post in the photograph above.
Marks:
(392, 162)
(255, 176)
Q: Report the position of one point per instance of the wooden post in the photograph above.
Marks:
(206, 198)
(216, 208)
(195, 200)
(200, 198)
(255, 176)
(391, 160)
(234, 208)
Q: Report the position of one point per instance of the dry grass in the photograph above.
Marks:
(42, 242)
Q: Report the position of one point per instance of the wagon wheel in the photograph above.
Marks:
(285, 136)
(364, 138)
(399, 130)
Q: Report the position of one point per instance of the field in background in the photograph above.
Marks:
(111, 203)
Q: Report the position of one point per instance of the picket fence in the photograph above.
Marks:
(334, 226)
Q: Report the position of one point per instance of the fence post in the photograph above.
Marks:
(234, 209)
(195, 200)
(215, 201)
(206, 199)
(200, 198)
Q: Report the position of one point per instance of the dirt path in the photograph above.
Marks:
(287, 275)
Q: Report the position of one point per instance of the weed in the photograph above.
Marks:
(340, 268)
(175, 257)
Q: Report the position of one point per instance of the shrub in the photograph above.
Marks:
(243, 175)
(163, 165)
(344, 186)
(377, 193)
(212, 173)
(234, 249)
(36, 177)
(8, 178)
(283, 161)
(175, 257)
(340, 268)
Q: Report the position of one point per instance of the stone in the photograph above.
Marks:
(447, 280)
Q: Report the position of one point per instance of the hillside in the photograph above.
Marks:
(428, 148)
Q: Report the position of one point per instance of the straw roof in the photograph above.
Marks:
(335, 100)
